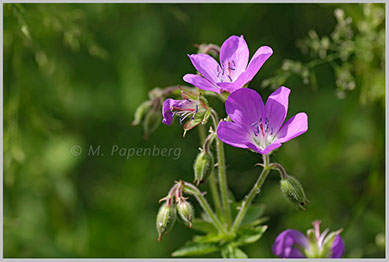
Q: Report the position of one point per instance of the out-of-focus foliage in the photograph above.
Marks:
(355, 50)
(74, 74)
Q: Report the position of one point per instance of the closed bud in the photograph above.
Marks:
(203, 166)
(185, 210)
(165, 219)
(140, 112)
(293, 191)
(152, 121)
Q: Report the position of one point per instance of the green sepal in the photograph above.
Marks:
(294, 192)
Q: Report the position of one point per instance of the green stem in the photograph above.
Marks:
(280, 169)
(191, 189)
(212, 182)
(250, 197)
(222, 174)
(202, 133)
(215, 193)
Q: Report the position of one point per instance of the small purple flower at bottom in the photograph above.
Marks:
(257, 126)
(294, 244)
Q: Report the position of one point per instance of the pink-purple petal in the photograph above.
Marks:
(337, 247)
(271, 147)
(245, 107)
(292, 128)
(277, 107)
(265, 151)
(256, 62)
(206, 65)
(234, 49)
(232, 134)
(286, 242)
(231, 87)
(167, 112)
(201, 82)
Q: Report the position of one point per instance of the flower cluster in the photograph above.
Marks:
(250, 124)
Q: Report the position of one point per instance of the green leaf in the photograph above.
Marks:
(195, 249)
(249, 235)
(233, 252)
(255, 222)
(253, 212)
(203, 226)
(209, 238)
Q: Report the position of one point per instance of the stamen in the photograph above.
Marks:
(230, 78)
(266, 125)
(197, 109)
(271, 131)
(233, 62)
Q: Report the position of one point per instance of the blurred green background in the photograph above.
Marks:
(74, 75)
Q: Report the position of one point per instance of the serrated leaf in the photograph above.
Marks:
(195, 249)
(233, 252)
(203, 226)
(249, 235)
(209, 238)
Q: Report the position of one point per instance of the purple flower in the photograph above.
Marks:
(294, 244)
(257, 126)
(184, 107)
(196, 109)
(234, 70)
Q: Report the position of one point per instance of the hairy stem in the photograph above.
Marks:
(222, 174)
(192, 190)
(250, 197)
(212, 182)
(215, 193)
(280, 169)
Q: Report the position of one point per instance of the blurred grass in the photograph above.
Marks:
(75, 73)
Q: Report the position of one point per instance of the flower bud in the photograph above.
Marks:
(293, 191)
(140, 112)
(203, 166)
(152, 121)
(165, 219)
(185, 210)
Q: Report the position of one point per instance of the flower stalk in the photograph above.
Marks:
(222, 176)
(194, 191)
(254, 191)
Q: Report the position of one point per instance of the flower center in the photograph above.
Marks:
(263, 133)
(224, 73)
